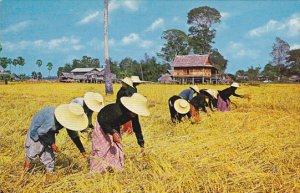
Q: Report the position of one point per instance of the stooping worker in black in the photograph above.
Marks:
(223, 98)
(128, 90)
(107, 149)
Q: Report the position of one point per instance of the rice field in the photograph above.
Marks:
(253, 148)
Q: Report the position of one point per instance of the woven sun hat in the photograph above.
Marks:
(128, 81)
(235, 85)
(71, 116)
(182, 106)
(195, 88)
(94, 101)
(136, 79)
(137, 104)
(212, 92)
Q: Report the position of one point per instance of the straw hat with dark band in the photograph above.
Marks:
(137, 104)
(236, 85)
(94, 101)
(127, 81)
(212, 92)
(71, 116)
(136, 79)
(195, 88)
(182, 106)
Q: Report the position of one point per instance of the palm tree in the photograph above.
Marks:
(21, 62)
(15, 62)
(107, 74)
(49, 67)
(39, 63)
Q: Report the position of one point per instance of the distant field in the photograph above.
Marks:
(253, 148)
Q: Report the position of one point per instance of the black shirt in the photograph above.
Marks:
(226, 93)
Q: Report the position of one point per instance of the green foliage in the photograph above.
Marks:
(201, 34)
(85, 62)
(218, 60)
(176, 44)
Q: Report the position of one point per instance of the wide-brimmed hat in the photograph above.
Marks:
(182, 106)
(137, 104)
(136, 79)
(94, 101)
(128, 81)
(71, 116)
(212, 92)
(235, 85)
(195, 88)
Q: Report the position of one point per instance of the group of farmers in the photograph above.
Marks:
(190, 101)
(112, 120)
(107, 150)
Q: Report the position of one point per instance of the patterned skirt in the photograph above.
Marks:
(106, 154)
(223, 105)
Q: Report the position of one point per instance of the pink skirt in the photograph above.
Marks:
(223, 105)
(106, 154)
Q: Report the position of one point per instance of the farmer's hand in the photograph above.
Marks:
(27, 165)
(84, 155)
(143, 151)
(116, 138)
(55, 148)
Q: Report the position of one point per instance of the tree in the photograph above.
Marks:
(21, 62)
(270, 71)
(3, 62)
(176, 44)
(39, 63)
(294, 60)
(39, 75)
(280, 55)
(253, 73)
(15, 62)
(49, 67)
(218, 60)
(9, 62)
(201, 34)
(107, 73)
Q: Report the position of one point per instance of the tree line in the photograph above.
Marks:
(283, 64)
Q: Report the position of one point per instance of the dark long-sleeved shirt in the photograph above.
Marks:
(112, 116)
(125, 92)
(226, 93)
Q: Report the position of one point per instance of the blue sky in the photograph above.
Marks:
(58, 31)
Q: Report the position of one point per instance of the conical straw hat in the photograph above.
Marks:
(214, 93)
(128, 81)
(137, 104)
(94, 101)
(195, 88)
(235, 85)
(71, 116)
(136, 79)
(182, 106)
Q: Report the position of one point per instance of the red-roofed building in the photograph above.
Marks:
(191, 69)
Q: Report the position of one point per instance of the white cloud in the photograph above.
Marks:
(295, 46)
(225, 15)
(131, 5)
(290, 26)
(156, 24)
(16, 27)
(135, 39)
(131, 38)
(63, 44)
(176, 19)
(89, 18)
(238, 50)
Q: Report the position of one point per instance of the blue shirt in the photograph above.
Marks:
(187, 94)
(43, 126)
